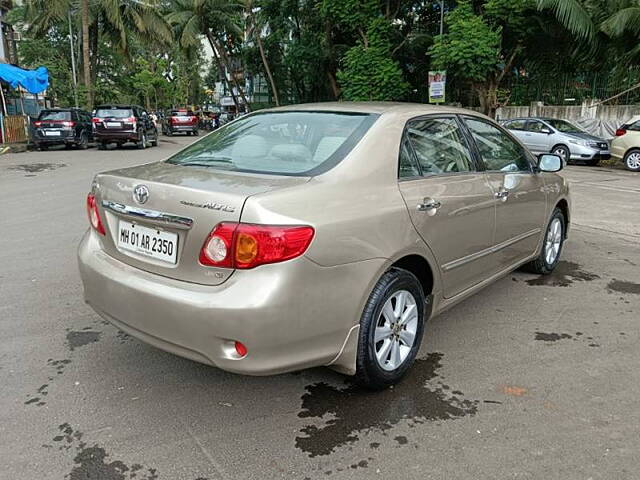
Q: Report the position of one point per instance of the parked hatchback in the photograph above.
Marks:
(626, 144)
(181, 121)
(569, 142)
(70, 127)
(120, 124)
(321, 234)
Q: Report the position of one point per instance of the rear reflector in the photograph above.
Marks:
(620, 132)
(244, 245)
(94, 215)
(241, 350)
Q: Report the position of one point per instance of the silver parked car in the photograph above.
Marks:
(321, 234)
(543, 135)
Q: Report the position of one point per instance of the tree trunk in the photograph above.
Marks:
(225, 59)
(86, 55)
(334, 85)
(274, 90)
(212, 43)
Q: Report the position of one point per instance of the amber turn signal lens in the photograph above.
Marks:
(246, 248)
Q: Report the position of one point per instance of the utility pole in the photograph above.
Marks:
(441, 16)
(73, 62)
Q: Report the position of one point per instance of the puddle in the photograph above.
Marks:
(36, 167)
(93, 462)
(622, 286)
(551, 337)
(564, 275)
(77, 339)
(350, 410)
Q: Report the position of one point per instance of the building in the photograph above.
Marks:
(8, 51)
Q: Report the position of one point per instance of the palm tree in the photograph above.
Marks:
(585, 18)
(114, 21)
(254, 27)
(217, 21)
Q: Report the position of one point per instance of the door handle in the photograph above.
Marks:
(429, 204)
(502, 194)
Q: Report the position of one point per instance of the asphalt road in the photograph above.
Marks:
(533, 378)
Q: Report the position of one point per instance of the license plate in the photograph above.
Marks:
(112, 124)
(146, 241)
(51, 133)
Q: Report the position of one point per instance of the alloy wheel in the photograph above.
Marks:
(561, 152)
(553, 241)
(395, 331)
(633, 161)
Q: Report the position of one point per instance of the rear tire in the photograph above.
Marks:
(84, 141)
(632, 160)
(391, 330)
(142, 143)
(154, 142)
(195, 133)
(43, 148)
(552, 245)
(102, 146)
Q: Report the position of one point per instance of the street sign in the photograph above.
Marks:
(437, 83)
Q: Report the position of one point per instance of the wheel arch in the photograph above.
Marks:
(420, 267)
(563, 205)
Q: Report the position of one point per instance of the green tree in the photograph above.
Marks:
(368, 71)
(482, 48)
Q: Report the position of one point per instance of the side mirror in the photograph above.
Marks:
(546, 130)
(548, 162)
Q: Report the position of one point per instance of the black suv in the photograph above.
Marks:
(123, 123)
(62, 126)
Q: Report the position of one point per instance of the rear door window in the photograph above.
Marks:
(285, 143)
(536, 126)
(440, 146)
(515, 124)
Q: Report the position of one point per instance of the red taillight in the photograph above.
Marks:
(38, 123)
(244, 245)
(94, 215)
(620, 132)
(193, 120)
(69, 124)
(130, 120)
(96, 120)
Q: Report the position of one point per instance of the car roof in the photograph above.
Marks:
(116, 106)
(376, 108)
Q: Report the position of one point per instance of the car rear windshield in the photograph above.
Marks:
(280, 143)
(114, 113)
(54, 116)
(181, 113)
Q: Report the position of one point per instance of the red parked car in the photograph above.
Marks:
(181, 120)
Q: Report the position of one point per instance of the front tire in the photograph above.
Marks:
(632, 160)
(552, 245)
(391, 330)
(563, 152)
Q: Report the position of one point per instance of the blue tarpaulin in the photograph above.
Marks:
(33, 81)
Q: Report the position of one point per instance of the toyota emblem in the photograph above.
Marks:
(141, 194)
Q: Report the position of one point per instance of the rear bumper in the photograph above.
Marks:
(290, 316)
(127, 136)
(182, 128)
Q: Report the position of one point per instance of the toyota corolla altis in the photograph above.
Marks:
(321, 234)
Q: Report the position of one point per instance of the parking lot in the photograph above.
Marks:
(533, 378)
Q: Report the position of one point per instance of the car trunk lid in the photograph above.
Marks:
(182, 205)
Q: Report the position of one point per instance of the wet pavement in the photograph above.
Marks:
(533, 378)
